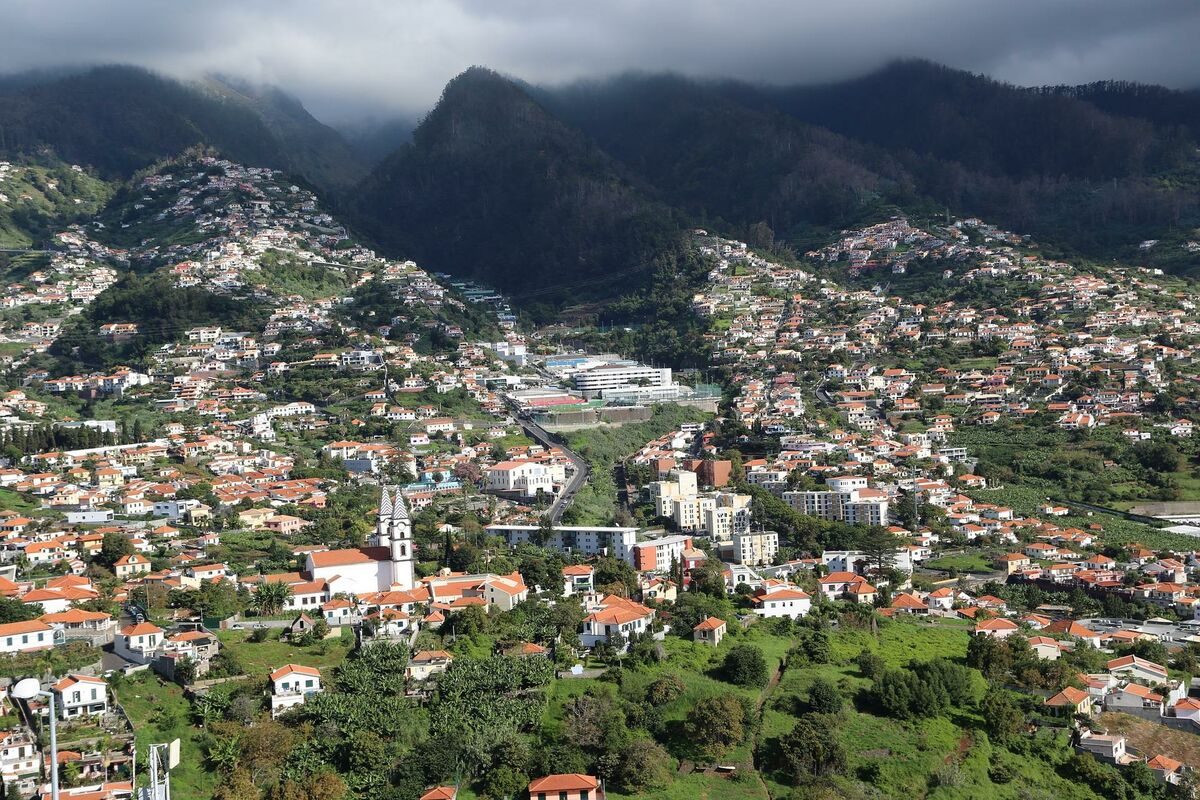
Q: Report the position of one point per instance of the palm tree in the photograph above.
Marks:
(270, 598)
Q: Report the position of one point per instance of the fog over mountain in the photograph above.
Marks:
(384, 58)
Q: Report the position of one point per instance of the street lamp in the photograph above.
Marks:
(28, 689)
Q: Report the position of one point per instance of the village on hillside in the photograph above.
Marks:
(363, 513)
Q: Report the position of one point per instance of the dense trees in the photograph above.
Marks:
(13, 610)
(811, 748)
(717, 723)
(824, 697)
(113, 547)
(925, 689)
(744, 665)
(1002, 717)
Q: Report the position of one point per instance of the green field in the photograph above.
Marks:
(262, 658)
(160, 713)
(965, 562)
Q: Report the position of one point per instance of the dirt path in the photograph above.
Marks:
(770, 687)
(964, 744)
(763, 696)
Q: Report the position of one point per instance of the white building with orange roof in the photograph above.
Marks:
(426, 663)
(578, 579)
(291, 685)
(709, 631)
(81, 696)
(1166, 769)
(998, 628)
(20, 759)
(781, 599)
(615, 616)
(386, 565)
(128, 566)
(138, 642)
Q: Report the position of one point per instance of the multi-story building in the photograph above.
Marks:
(20, 759)
(657, 555)
(848, 499)
(754, 547)
(521, 478)
(719, 515)
(618, 375)
(587, 541)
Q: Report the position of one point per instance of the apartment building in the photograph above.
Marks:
(584, 540)
(848, 499)
(752, 547)
(719, 515)
(658, 555)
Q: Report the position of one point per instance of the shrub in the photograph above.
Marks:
(824, 697)
(745, 665)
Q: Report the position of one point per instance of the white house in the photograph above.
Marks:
(710, 631)
(427, 663)
(291, 685)
(20, 759)
(784, 601)
(1138, 669)
(81, 696)
(999, 628)
(520, 478)
(615, 616)
(24, 637)
(1188, 708)
(138, 642)
(1045, 648)
(578, 579)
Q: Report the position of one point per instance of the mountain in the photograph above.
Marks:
(374, 140)
(120, 119)
(39, 195)
(1156, 104)
(993, 127)
(495, 187)
(313, 149)
(1090, 181)
(725, 162)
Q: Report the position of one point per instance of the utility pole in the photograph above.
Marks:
(916, 495)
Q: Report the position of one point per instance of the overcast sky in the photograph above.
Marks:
(348, 58)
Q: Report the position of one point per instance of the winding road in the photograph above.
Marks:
(582, 470)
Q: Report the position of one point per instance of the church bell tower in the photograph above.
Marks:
(395, 533)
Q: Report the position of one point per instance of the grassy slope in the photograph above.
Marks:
(160, 713)
(39, 195)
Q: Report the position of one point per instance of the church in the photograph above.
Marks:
(385, 566)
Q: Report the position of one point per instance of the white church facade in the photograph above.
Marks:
(388, 565)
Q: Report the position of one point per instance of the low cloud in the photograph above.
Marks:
(349, 58)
